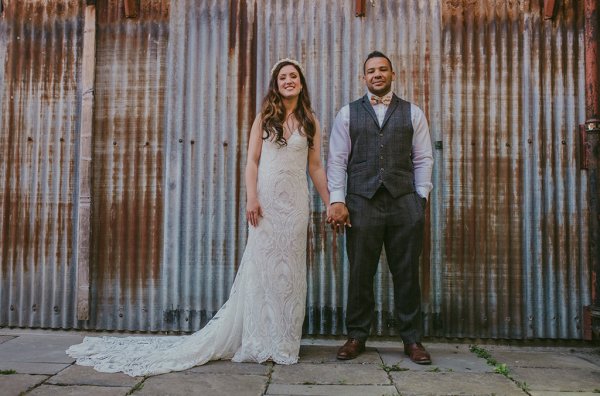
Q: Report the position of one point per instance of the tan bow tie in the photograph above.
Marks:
(386, 100)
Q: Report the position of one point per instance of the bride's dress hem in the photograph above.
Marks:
(263, 317)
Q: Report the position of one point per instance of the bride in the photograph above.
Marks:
(262, 319)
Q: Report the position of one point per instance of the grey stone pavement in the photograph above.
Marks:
(33, 362)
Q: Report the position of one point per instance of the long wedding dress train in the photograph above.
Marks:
(262, 319)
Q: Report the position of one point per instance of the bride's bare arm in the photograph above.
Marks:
(315, 166)
(253, 209)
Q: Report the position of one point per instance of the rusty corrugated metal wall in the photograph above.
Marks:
(515, 257)
(211, 104)
(40, 44)
(176, 90)
(128, 165)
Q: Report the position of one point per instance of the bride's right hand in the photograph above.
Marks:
(253, 211)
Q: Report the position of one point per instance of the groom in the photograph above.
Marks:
(379, 172)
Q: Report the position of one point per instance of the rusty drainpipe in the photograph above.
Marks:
(592, 137)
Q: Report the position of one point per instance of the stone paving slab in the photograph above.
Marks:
(83, 375)
(38, 349)
(548, 393)
(229, 367)
(424, 383)
(78, 390)
(542, 360)
(203, 384)
(33, 368)
(557, 379)
(4, 338)
(332, 390)
(445, 358)
(16, 384)
(328, 354)
(330, 374)
(591, 355)
(536, 348)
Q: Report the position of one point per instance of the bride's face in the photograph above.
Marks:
(288, 82)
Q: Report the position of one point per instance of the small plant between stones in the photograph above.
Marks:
(136, 387)
(482, 353)
(7, 372)
(500, 368)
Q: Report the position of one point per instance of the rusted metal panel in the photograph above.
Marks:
(515, 261)
(131, 8)
(592, 145)
(114, 11)
(212, 99)
(128, 166)
(592, 61)
(549, 7)
(360, 8)
(40, 46)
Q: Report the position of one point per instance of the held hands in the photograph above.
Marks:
(338, 217)
(253, 211)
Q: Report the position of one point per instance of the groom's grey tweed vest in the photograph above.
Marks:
(380, 155)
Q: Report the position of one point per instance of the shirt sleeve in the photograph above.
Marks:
(339, 151)
(422, 155)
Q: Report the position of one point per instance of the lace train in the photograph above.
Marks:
(263, 316)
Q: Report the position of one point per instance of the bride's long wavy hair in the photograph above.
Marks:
(273, 111)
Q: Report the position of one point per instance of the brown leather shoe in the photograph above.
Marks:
(417, 353)
(351, 349)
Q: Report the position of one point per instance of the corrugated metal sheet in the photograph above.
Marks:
(175, 101)
(515, 261)
(40, 44)
(176, 91)
(211, 108)
(128, 167)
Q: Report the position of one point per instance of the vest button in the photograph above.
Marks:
(381, 146)
(381, 157)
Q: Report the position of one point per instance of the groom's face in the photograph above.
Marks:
(379, 76)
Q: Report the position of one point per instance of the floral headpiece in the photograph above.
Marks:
(287, 60)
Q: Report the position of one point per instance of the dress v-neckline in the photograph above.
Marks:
(291, 134)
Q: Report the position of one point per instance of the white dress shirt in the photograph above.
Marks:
(340, 145)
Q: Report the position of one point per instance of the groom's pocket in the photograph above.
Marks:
(358, 167)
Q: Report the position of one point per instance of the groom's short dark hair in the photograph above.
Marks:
(376, 54)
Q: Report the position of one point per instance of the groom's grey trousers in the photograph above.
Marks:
(397, 225)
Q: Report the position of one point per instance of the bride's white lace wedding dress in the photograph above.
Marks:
(263, 316)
